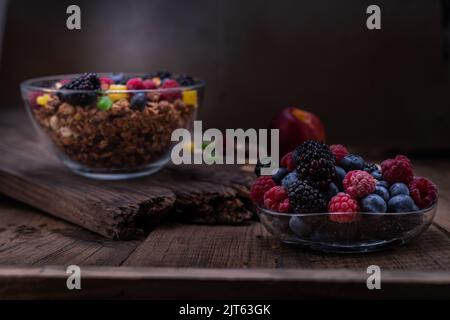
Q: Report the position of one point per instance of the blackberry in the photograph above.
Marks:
(369, 167)
(305, 198)
(315, 163)
(185, 80)
(87, 81)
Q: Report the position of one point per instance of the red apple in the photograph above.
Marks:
(296, 126)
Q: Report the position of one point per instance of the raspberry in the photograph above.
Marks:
(358, 183)
(423, 191)
(149, 84)
(339, 152)
(259, 187)
(276, 199)
(315, 163)
(288, 162)
(398, 169)
(171, 94)
(105, 82)
(305, 198)
(343, 203)
(135, 84)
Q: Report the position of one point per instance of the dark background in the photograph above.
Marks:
(385, 88)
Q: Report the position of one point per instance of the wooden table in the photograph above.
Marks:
(198, 261)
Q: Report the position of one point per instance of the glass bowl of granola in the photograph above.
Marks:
(112, 125)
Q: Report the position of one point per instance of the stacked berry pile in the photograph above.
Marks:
(318, 178)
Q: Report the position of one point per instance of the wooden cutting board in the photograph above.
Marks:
(121, 209)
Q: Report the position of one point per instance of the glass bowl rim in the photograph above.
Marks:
(29, 85)
(279, 214)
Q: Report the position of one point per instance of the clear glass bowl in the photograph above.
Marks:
(116, 143)
(368, 232)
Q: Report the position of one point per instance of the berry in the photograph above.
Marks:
(259, 187)
(339, 152)
(377, 174)
(135, 84)
(104, 103)
(352, 162)
(330, 191)
(288, 162)
(315, 163)
(383, 184)
(185, 80)
(398, 169)
(423, 191)
(289, 178)
(149, 84)
(301, 226)
(105, 82)
(373, 203)
(87, 82)
(401, 203)
(279, 174)
(139, 101)
(170, 95)
(305, 198)
(119, 78)
(276, 199)
(398, 188)
(340, 175)
(370, 167)
(343, 203)
(263, 163)
(359, 183)
(382, 192)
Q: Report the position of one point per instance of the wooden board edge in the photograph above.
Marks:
(199, 283)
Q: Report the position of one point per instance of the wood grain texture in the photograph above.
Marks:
(183, 246)
(169, 283)
(29, 237)
(119, 209)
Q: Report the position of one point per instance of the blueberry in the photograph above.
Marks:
(401, 203)
(289, 178)
(377, 174)
(331, 191)
(382, 192)
(119, 78)
(300, 227)
(340, 175)
(139, 101)
(373, 203)
(398, 188)
(279, 174)
(352, 162)
(383, 184)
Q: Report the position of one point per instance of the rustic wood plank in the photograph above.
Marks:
(30, 237)
(169, 283)
(119, 209)
(183, 246)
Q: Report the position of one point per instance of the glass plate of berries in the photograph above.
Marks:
(327, 199)
(112, 125)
